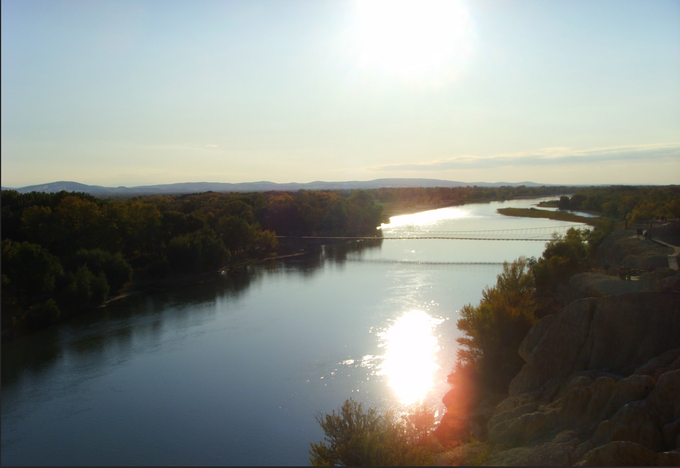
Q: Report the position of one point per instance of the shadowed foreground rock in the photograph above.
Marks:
(601, 386)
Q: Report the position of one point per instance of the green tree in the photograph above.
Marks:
(83, 289)
(115, 268)
(197, 251)
(563, 204)
(236, 233)
(267, 240)
(28, 270)
(496, 327)
(563, 257)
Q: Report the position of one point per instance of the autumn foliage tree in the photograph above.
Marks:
(495, 328)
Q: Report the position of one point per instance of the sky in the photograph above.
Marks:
(129, 93)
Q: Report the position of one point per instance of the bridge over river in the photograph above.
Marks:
(539, 234)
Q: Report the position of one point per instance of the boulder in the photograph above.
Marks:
(670, 284)
(601, 384)
(612, 334)
(655, 367)
(635, 387)
(554, 453)
(625, 248)
(622, 453)
(534, 336)
(595, 285)
(658, 280)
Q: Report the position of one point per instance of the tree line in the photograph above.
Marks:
(635, 204)
(63, 253)
(450, 196)
(66, 252)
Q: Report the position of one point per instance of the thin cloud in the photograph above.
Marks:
(545, 157)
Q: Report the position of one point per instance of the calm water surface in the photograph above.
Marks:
(233, 372)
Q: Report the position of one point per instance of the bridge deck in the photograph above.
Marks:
(415, 238)
(538, 234)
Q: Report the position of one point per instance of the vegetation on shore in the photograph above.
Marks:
(635, 204)
(65, 253)
(547, 214)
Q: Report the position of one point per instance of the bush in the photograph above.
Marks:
(355, 437)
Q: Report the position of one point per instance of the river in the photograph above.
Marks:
(233, 371)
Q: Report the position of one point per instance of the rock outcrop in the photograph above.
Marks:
(609, 335)
(601, 385)
(601, 380)
(623, 248)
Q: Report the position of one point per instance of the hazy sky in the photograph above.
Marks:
(148, 92)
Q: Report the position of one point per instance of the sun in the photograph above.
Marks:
(406, 38)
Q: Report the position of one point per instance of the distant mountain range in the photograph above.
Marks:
(199, 187)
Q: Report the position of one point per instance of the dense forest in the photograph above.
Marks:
(67, 252)
(63, 253)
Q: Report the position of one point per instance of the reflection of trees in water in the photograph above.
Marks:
(29, 355)
(338, 252)
(115, 327)
(318, 253)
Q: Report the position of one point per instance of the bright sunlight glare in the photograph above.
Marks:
(410, 355)
(425, 218)
(407, 38)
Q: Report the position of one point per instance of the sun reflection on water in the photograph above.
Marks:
(410, 355)
(425, 218)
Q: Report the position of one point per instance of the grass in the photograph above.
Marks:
(556, 215)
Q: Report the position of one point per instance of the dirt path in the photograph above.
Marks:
(672, 258)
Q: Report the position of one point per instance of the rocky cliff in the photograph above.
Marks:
(601, 385)
(601, 382)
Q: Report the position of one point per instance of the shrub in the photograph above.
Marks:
(355, 437)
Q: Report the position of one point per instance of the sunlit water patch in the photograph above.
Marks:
(410, 356)
(426, 219)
